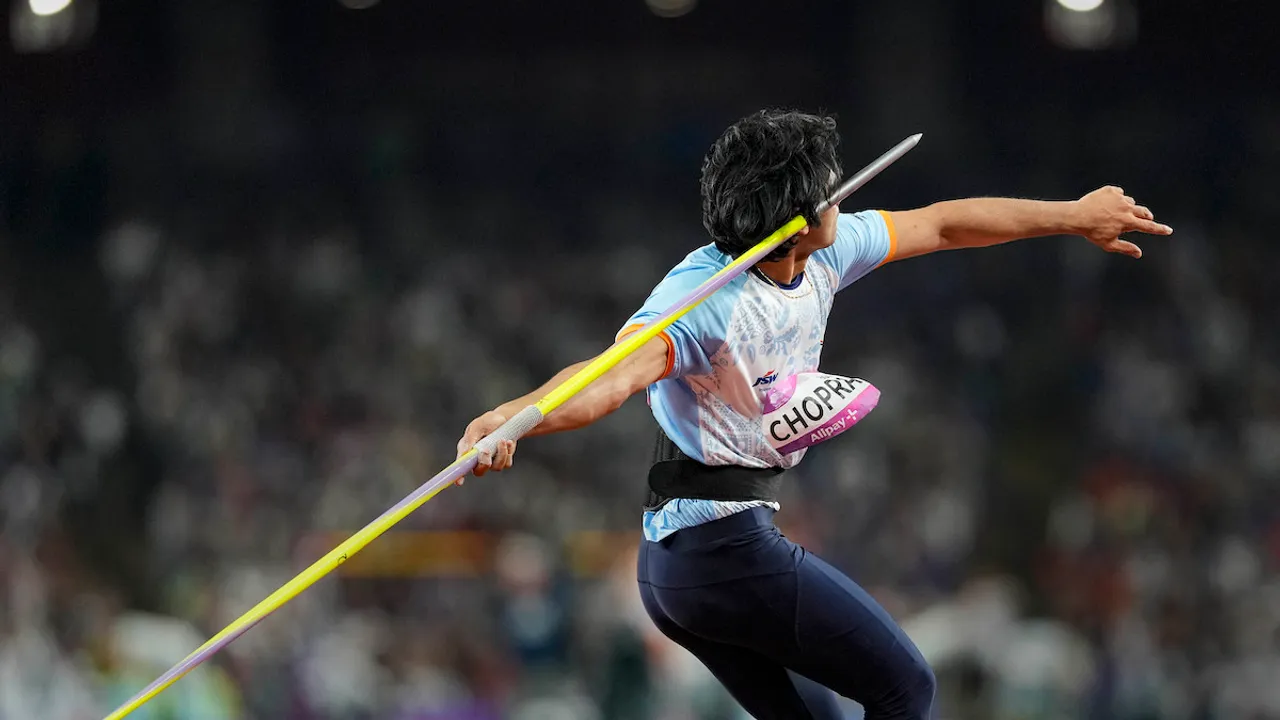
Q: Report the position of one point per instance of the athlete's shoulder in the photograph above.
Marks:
(685, 277)
(692, 334)
(852, 228)
(864, 240)
(696, 268)
(704, 259)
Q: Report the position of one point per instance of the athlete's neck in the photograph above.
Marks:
(786, 270)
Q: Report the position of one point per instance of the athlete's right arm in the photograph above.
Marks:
(634, 373)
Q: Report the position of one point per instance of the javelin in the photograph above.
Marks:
(513, 429)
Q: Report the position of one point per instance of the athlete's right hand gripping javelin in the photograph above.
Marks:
(500, 459)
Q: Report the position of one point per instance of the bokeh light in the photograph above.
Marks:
(671, 8)
(48, 7)
(1081, 5)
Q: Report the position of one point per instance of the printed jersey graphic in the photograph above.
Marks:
(768, 378)
(726, 353)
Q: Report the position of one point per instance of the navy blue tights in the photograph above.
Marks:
(780, 628)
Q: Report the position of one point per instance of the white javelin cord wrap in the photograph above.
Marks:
(513, 429)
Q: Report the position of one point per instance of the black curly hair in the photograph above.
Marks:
(764, 170)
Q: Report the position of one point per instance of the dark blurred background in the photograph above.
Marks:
(261, 262)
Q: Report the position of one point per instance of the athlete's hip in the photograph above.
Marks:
(744, 544)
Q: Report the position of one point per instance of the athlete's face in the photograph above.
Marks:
(823, 236)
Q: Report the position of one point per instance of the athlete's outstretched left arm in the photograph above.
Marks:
(1102, 216)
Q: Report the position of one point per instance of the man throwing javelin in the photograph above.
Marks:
(780, 628)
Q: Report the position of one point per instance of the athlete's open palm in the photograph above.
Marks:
(1107, 213)
(501, 458)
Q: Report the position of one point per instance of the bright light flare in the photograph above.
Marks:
(45, 8)
(1081, 5)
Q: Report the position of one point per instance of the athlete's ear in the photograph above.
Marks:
(804, 230)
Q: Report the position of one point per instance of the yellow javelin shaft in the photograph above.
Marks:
(325, 565)
(553, 399)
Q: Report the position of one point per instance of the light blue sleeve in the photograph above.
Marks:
(693, 336)
(864, 241)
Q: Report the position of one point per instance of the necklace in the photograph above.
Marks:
(800, 291)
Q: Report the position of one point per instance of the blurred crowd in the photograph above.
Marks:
(1069, 495)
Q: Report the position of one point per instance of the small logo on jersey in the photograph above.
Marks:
(766, 379)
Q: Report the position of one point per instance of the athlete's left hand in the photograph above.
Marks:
(1105, 214)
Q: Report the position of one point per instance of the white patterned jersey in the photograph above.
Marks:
(727, 352)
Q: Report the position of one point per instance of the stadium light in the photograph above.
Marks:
(1081, 5)
(1091, 24)
(45, 8)
(46, 26)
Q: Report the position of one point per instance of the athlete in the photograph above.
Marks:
(780, 628)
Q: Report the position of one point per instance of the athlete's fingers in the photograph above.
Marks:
(1130, 200)
(1123, 247)
(475, 433)
(1152, 227)
(1143, 212)
(484, 461)
(478, 429)
(502, 455)
(468, 440)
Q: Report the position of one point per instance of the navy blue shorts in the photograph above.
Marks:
(780, 628)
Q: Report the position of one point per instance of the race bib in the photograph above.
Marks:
(805, 409)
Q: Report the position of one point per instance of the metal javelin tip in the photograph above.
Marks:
(865, 174)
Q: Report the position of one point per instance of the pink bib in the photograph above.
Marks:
(806, 409)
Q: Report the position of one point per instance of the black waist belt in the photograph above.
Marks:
(676, 475)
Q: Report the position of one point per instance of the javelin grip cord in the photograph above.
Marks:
(513, 429)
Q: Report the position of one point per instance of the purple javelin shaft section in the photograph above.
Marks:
(454, 472)
(751, 257)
